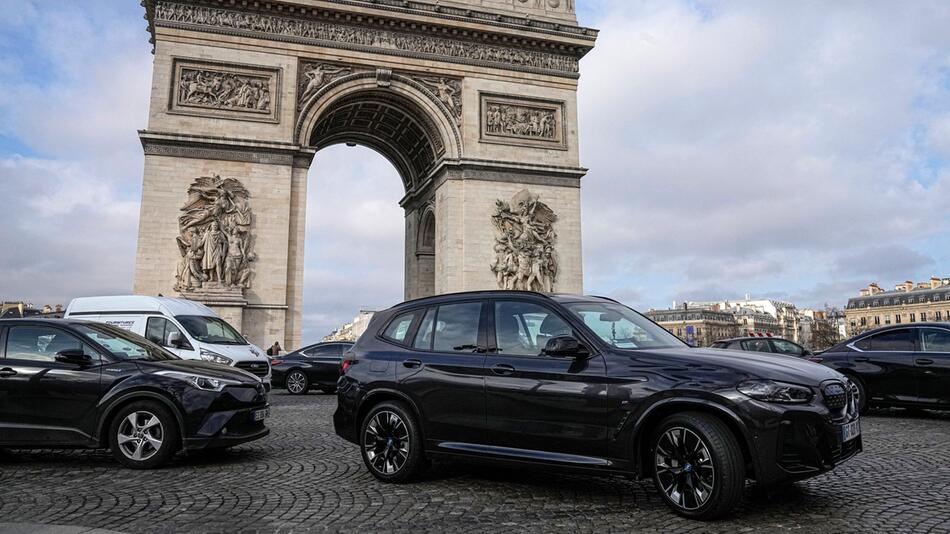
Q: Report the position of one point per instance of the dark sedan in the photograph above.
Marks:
(589, 384)
(315, 366)
(68, 384)
(775, 345)
(898, 365)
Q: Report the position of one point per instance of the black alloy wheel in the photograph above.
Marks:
(391, 443)
(297, 382)
(862, 393)
(697, 465)
(144, 435)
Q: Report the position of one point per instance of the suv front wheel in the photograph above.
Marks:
(391, 443)
(697, 465)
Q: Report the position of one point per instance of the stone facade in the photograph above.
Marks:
(473, 102)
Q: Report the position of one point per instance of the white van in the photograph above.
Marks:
(189, 329)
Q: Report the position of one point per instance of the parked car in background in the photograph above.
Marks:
(589, 384)
(68, 383)
(763, 344)
(898, 365)
(314, 366)
(188, 329)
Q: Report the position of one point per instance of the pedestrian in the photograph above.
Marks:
(274, 350)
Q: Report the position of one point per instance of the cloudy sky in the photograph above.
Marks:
(796, 150)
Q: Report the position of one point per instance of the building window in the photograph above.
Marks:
(887, 319)
(853, 324)
(913, 317)
(897, 318)
(923, 316)
(877, 319)
(937, 316)
(864, 321)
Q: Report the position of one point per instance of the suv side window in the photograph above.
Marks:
(523, 328)
(398, 328)
(456, 327)
(934, 340)
(424, 336)
(787, 347)
(158, 328)
(756, 345)
(893, 341)
(41, 343)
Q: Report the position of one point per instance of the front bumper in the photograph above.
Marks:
(227, 428)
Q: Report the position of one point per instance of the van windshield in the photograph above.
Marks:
(211, 330)
(124, 344)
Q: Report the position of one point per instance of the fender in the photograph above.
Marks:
(375, 392)
(140, 394)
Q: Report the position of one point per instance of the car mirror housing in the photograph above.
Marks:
(564, 347)
(174, 339)
(74, 356)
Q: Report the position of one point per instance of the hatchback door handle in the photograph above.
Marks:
(6, 371)
(924, 361)
(502, 369)
(412, 364)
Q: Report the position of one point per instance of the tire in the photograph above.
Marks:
(297, 382)
(862, 394)
(144, 435)
(329, 390)
(391, 443)
(698, 466)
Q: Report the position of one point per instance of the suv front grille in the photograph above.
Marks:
(835, 394)
(260, 369)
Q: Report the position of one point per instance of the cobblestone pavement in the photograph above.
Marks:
(302, 478)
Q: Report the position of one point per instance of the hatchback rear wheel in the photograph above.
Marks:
(391, 443)
(697, 465)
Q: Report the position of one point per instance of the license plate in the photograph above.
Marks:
(850, 430)
(260, 415)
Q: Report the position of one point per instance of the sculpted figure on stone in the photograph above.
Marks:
(525, 242)
(214, 236)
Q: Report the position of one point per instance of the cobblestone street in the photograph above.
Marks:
(302, 478)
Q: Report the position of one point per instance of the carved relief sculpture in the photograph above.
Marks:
(214, 236)
(448, 91)
(314, 76)
(525, 244)
(522, 121)
(232, 91)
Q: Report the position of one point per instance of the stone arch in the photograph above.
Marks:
(394, 115)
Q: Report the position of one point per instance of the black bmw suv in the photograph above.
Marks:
(78, 384)
(586, 383)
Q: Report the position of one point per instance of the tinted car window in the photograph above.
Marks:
(895, 340)
(124, 344)
(398, 328)
(523, 328)
(787, 347)
(211, 330)
(622, 327)
(325, 351)
(719, 345)
(757, 345)
(424, 337)
(39, 343)
(456, 327)
(934, 340)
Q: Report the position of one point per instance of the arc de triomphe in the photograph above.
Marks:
(473, 101)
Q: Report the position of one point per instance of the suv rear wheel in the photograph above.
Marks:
(697, 465)
(391, 443)
(143, 435)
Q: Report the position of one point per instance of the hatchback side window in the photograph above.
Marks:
(398, 328)
(456, 327)
(41, 343)
(523, 328)
(893, 341)
(787, 347)
(934, 340)
(756, 345)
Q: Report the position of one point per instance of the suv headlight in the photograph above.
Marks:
(205, 383)
(771, 391)
(212, 356)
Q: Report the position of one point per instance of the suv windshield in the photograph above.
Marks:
(124, 344)
(211, 330)
(622, 327)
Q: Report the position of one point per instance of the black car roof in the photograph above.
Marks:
(887, 328)
(501, 293)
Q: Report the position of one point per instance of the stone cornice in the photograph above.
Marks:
(224, 148)
(375, 34)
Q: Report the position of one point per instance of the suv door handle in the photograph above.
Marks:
(502, 369)
(6, 371)
(924, 361)
(412, 363)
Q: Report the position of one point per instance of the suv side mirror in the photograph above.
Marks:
(174, 339)
(74, 357)
(564, 347)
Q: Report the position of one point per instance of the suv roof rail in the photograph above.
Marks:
(476, 292)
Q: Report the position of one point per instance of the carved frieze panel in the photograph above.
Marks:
(373, 39)
(525, 244)
(314, 75)
(522, 121)
(215, 238)
(212, 89)
(447, 90)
